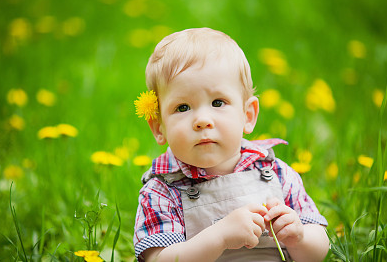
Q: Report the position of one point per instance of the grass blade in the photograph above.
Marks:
(117, 233)
(16, 223)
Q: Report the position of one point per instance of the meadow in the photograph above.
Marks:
(72, 150)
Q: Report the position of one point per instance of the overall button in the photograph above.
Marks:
(193, 192)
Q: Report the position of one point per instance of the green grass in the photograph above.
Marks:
(95, 65)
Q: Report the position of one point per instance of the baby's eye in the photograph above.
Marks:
(182, 108)
(217, 103)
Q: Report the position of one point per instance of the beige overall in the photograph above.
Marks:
(207, 202)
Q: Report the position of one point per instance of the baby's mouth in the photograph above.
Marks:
(205, 142)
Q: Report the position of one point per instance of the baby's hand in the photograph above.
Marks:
(242, 227)
(286, 224)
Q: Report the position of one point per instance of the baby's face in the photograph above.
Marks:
(203, 116)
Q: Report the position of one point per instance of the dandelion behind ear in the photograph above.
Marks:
(147, 105)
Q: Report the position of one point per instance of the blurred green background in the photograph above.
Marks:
(319, 68)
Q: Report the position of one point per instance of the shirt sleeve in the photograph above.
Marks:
(296, 197)
(159, 219)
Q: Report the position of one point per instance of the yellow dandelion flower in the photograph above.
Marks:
(349, 76)
(301, 168)
(140, 37)
(365, 160)
(269, 98)
(28, 163)
(45, 24)
(142, 160)
(86, 253)
(385, 176)
(20, 29)
(48, 132)
(304, 156)
(263, 136)
(17, 97)
(106, 158)
(122, 152)
(356, 177)
(332, 171)
(147, 105)
(67, 130)
(159, 32)
(135, 8)
(93, 259)
(286, 110)
(340, 230)
(275, 60)
(319, 96)
(357, 49)
(16, 122)
(46, 97)
(277, 128)
(13, 172)
(377, 97)
(73, 26)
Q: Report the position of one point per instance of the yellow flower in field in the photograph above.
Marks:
(147, 105)
(45, 24)
(304, 156)
(356, 177)
(17, 97)
(67, 130)
(385, 176)
(13, 172)
(135, 8)
(278, 128)
(286, 110)
(93, 259)
(377, 97)
(275, 60)
(349, 76)
(20, 29)
(73, 26)
(106, 158)
(357, 49)
(332, 171)
(122, 152)
(365, 160)
(89, 255)
(140, 37)
(158, 32)
(262, 137)
(269, 98)
(301, 168)
(46, 97)
(16, 122)
(48, 132)
(319, 96)
(142, 160)
(28, 163)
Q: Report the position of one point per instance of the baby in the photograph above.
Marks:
(213, 195)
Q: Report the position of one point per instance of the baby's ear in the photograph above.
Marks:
(251, 114)
(157, 131)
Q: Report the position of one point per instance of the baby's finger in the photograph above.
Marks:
(257, 208)
(282, 222)
(272, 202)
(277, 211)
(259, 221)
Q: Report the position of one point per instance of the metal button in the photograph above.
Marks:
(193, 192)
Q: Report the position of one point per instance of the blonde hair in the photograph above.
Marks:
(181, 50)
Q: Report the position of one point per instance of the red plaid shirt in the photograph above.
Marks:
(160, 220)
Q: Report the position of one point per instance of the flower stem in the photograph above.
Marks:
(276, 241)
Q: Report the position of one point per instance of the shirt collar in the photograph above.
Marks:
(251, 151)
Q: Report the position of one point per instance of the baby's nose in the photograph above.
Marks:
(202, 123)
